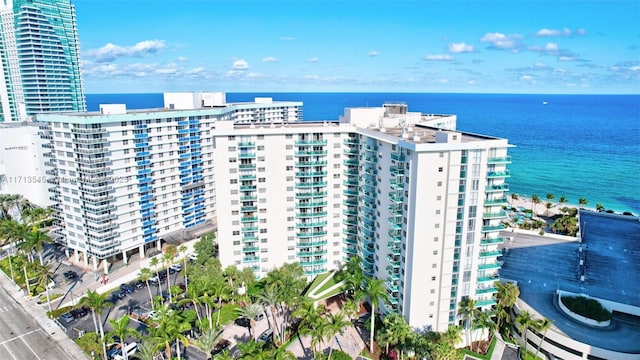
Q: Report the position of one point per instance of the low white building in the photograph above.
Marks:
(22, 168)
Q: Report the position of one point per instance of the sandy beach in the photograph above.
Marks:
(541, 208)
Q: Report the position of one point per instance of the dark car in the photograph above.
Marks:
(127, 288)
(244, 322)
(139, 284)
(67, 317)
(70, 275)
(114, 350)
(266, 336)
(221, 346)
(79, 312)
(117, 295)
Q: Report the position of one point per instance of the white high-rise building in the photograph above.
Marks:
(417, 200)
(123, 181)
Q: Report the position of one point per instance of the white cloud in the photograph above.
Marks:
(253, 75)
(439, 57)
(460, 48)
(501, 41)
(269, 59)
(564, 32)
(313, 60)
(195, 71)
(373, 53)
(240, 65)
(111, 52)
(287, 38)
(182, 58)
(551, 47)
(527, 78)
(442, 81)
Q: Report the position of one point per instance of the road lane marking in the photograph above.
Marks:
(18, 337)
(9, 351)
(34, 353)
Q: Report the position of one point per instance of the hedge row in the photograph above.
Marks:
(586, 307)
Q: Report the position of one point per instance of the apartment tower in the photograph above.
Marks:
(417, 200)
(39, 60)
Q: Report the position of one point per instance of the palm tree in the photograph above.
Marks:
(183, 250)
(43, 279)
(252, 350)
(208, 340)
(535, 200)
(221, 292)
(374, 290)
(453, 335)
(548, 205)
(396, 331)
(249, 312)
(335, 325)
(582, 202)
(96, 302)
(154, 263)
(506, 297)
(171, 326)
(483, 321)
(515, 196)
(599, 207)
(467, 309)
(147, 351)
(525, 321)
(281, 353)
(563, 199)
(542, 326)
(121, 329)
(167, 259)
(269, 297)
(550, 196)
(145, 275)
(311, 321)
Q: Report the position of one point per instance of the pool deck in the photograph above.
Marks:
(541, 265)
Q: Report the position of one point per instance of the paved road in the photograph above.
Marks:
(21, 338)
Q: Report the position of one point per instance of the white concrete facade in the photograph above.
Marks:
(418, 201)
(22, 169)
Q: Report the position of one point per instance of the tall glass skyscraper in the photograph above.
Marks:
(39, 59)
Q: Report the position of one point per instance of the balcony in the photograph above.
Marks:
(311, 224)
(307, 195)
(351, 141)
(250, 249)
(247, 166)
(249, 219)
(499, 160)
(311, 253)
(499, 201)
(302, 244)
(498, 174)
(251, 259)
(487, 290)
(489, 266)
(311, 234)
(310, 142)
(246, 155)
(311, 184)
(310, 163)
(303, 174)
(485, 302)
(490, 279)
(247, 144)
(487, 254)
(501, 187)
(311, 214)
(495, 215)
(311, 153)
(491, 228)
(494, 241)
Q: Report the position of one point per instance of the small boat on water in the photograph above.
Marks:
(544, 103)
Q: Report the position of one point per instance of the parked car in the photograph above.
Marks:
(129, 349)
(266, 336)
(117, 295)
(139, 284)
(79, 312)
(114, 349)
(244, 322)
(221, 346)
(176, 267)
(193, 257)
(67, 317)
(126, 288)
(70, 275)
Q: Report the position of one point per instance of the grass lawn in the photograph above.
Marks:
(320, 278)
(228, 313)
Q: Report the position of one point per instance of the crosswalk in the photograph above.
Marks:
(9, 307)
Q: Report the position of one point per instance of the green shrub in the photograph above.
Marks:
(586, 307)
(340, 355)
(59, 311)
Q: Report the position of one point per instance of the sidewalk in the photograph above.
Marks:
(40, 315)
(121, 275)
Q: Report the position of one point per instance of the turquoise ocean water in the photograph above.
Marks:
(573, 145)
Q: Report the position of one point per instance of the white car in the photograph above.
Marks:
(193, 256)
(176, 267)
(129, 349)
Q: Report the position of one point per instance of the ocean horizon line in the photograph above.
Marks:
(366, 92)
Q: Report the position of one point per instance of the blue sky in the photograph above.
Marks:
(130, 46)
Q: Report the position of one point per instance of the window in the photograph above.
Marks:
(440, 169)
